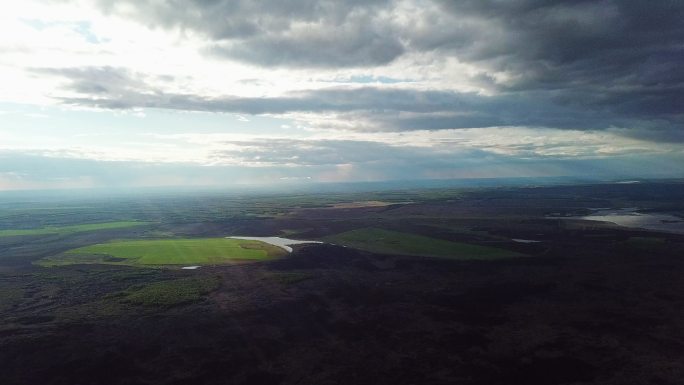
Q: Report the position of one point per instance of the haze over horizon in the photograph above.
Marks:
(217, 93)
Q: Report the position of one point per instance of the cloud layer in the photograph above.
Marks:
(362, 108)
(558, 64)
(345, 89)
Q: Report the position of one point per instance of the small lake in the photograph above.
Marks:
(283, 243)
(629, 217)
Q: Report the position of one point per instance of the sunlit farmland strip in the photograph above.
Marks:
(392, 242)
(161, 252)
(71, 229)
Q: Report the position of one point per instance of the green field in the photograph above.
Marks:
(392, 242)
(71, 229)
(194, 251)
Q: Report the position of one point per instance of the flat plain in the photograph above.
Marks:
(431, 288)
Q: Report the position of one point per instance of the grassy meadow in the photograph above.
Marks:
(392, 242)
(71, 229)
(185, 251)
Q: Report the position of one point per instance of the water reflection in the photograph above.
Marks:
(629, 217)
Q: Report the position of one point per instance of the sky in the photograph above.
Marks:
(142, 93)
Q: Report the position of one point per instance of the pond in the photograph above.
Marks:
(629, 217)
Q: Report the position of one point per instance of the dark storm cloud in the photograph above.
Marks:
(545, 42)
(311, 33)
(579, 64)
(623, 56)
